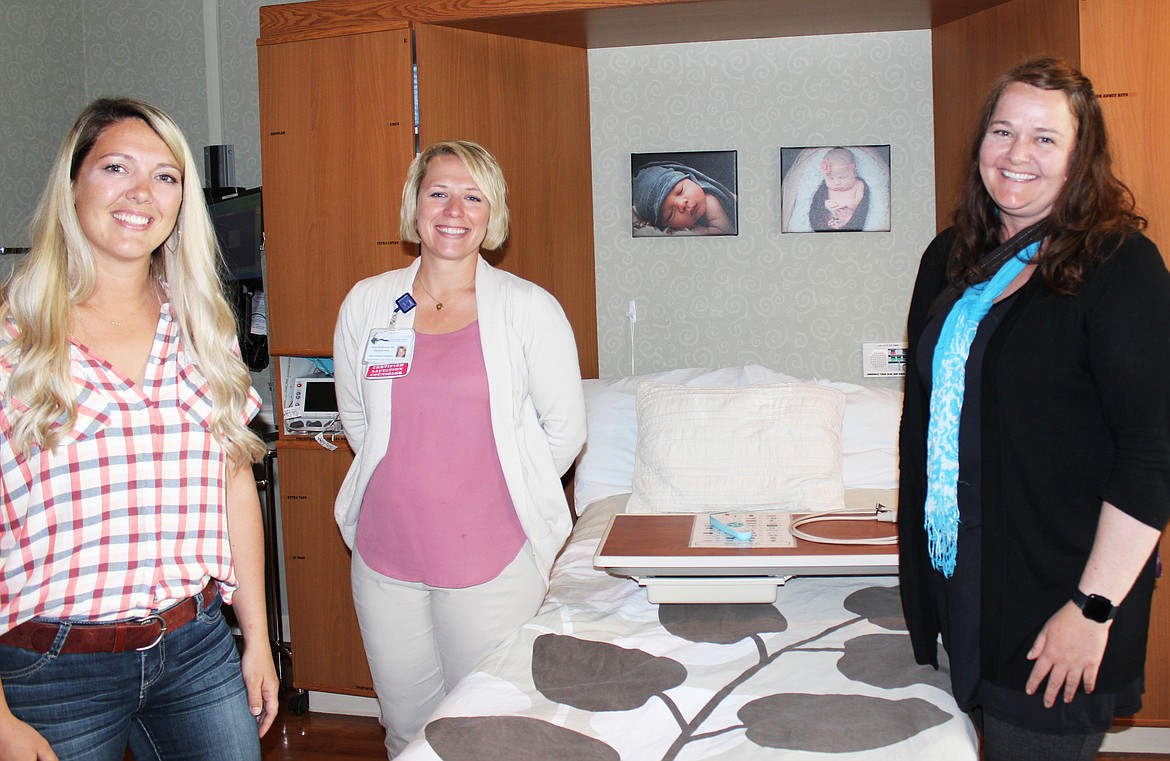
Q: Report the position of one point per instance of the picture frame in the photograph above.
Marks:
(684, 193)
(834, 188)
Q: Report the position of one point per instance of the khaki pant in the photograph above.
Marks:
(421, 640)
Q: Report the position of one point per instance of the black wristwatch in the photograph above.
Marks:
(1095, 607)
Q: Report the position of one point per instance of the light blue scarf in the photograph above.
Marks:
(946, 405)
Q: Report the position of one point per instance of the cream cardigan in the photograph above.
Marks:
(534, 389)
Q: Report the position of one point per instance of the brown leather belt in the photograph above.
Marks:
(139, 634)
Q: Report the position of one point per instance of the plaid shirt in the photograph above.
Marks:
(129, 514)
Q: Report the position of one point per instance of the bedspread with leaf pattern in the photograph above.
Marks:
(600, 674)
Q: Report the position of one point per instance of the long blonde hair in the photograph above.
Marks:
(41, 396)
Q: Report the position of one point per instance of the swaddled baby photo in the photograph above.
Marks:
(684, 193)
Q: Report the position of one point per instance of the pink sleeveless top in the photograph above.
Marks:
(437, 509)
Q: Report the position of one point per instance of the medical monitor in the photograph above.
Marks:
(239, 228)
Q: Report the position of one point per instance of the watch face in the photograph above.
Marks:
(1097, 608)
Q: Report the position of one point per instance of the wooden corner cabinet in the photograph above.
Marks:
(337, 122)
(326, 643)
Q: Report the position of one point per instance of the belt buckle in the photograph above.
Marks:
(162, 629)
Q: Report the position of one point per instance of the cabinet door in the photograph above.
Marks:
(1121, 51)
(528, 103)
(1122, 45)
(336, 137)
(327, 651)
(1156, 702)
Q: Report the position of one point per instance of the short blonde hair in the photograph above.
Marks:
(488, 176)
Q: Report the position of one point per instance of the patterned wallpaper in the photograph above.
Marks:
(799, 303)
(239, 26)
(153, 50)
(57, 55)
(41, 94)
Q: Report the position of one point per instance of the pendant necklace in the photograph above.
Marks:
(439, 304)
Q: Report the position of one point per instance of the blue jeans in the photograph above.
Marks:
(182, 699)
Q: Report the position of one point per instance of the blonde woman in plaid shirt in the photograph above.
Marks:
(124, 460)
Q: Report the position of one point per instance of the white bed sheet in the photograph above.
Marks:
(600, 673)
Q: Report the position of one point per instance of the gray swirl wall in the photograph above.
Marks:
(799, 303)
(57, 55)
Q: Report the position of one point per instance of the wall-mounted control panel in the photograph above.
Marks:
(883, 360)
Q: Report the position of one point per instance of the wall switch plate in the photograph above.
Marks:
(883, 360)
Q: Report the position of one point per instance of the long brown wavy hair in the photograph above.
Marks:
(1093, 209)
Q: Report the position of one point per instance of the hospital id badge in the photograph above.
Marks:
(389, 352)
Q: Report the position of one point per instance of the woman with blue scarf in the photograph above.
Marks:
(1035, 441)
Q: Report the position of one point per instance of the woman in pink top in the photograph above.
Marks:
(455, 518)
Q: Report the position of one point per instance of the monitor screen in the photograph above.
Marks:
(239, 226)
(320, 396)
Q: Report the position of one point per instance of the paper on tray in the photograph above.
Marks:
(769, 529)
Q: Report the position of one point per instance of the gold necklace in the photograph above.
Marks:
(439, 304)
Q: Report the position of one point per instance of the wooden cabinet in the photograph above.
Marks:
(1156, 702)
(337, 120)
(337, 133)
(1122, 51)
(326, 642)
(1118, 44)
(336, 136)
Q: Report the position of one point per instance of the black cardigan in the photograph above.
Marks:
(1075, 411)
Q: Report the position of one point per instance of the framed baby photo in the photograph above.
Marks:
(835, 189)
(684, 193)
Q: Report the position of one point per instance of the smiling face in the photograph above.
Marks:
(127, 192)
(1025, 155)
(453, 212)
(684, 206)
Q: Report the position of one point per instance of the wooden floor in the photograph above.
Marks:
(322, 736)
(329, 737)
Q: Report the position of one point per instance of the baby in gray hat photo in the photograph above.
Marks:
(670, 197)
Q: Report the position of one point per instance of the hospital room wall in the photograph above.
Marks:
(802, 303)
(196, 60)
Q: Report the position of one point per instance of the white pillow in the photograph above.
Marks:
(605, 467)
(772, 447)
(869, 434)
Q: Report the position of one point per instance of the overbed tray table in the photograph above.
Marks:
(654, 550)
